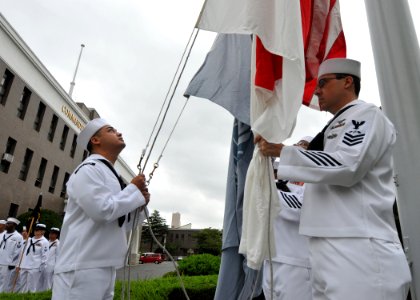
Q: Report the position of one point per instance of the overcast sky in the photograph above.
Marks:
(132, 50)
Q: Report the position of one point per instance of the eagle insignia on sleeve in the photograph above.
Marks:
(355, 136)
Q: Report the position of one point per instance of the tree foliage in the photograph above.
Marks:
(48, 217)
(159, 228)
(209, 241)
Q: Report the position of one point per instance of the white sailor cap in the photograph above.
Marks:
(339, 65)
(90, 129)
(3, 222)
(307, 139)
(54, 229)
(13, 220)
(40, 226)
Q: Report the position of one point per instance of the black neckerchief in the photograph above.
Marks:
(122, 185)
(318, 141)
(52, 244)
(32, 245)
(4, 241)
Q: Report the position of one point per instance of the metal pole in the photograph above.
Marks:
(72, 84)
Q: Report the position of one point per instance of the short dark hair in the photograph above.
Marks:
(356, 81)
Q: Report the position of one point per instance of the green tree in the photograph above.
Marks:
(209, 241)
(159, 228)
(48, 217)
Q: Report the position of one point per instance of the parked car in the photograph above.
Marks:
(150, 257)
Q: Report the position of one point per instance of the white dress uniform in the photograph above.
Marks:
(290, 265)
(47, 274)
(349, 208)
(92, 244)
(34, 259)
(10, 247)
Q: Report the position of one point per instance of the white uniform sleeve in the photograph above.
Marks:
(18, 248)
(360, 144)
(98, 200)
(44, 254)
(291, 204)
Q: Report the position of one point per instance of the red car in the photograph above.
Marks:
(150, 257)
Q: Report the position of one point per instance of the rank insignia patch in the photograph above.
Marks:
(353, 138)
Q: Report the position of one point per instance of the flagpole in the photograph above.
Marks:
(397, 62)
(35, 217)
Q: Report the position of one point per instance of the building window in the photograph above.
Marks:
(53, 182)
(24, 102)
(64, 137)
(7, 157)
(53, 127)
(39, 116)
(41, 172)
(73, 146)
(5, 84)
(64, 186)
(26, 164)
(85, 154)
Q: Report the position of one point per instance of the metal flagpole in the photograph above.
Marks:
(397, 62)
(72, 84)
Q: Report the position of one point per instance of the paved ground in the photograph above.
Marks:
(147, 271)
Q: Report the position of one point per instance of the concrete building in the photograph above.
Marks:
(39, 126)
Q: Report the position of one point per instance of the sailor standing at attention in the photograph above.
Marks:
(34, 258)
(354, 248)
(47, 275)
(99, 212)
(10, 247)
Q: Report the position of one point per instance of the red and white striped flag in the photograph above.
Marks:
(291, 39)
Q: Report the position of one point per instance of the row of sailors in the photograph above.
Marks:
(26, 265)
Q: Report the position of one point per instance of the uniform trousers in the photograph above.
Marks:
(358, 268)
(7, 279)
(92, 284)
(289, 282)
(46, 278)
(29, 280)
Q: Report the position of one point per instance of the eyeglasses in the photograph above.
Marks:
(323, 81)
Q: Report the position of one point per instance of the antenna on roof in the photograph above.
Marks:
(72, 84)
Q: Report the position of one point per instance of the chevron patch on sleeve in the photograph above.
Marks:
(353, 138)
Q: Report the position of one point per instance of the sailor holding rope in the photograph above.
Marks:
(354, 248)
(99, 213)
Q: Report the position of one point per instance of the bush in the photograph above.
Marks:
(200, 264)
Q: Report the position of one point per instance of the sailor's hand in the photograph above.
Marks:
(146, 196)
(140, 182)
(268, 149)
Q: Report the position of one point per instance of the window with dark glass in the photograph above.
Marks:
(24, 102)
(64, 137)
(53, 127)
(41, 172)
(26, 164)
(64, 186)
(5, 84)
(73, 146)
(54, 177)
(39, 116)
(7, 157)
